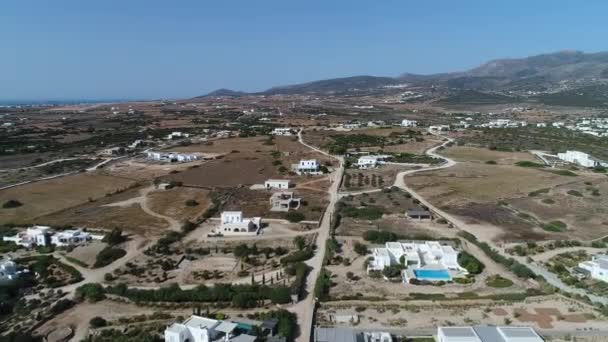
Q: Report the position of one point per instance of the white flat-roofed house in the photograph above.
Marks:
(307, 167)
(33, 236)
(487, 334)
(431, 257)
(277, 184)
(202, 329)
(353, 125)
(171, 157)
(597, 267)
(233, 223)
(286, 131)
(580, 158)
(368, 162)
(70, 237)
(409, 123)
(440, 128)
(177, 135)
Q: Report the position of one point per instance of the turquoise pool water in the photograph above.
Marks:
(244, 326)
(432, 275)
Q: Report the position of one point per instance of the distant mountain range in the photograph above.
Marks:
(536, 73)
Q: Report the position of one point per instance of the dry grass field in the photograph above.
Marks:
(321, 137)
(140, 169)
(479, 192)
(97, 214)
(247, 161)
(46, 197)
(482, 155)
(172, 202)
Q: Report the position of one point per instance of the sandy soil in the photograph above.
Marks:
(544, 313)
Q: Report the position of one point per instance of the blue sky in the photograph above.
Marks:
(175, 49)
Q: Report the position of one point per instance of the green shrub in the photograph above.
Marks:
(322, 285)
(575, 193)
(364, 213)
(92, 292)
(114, 237)
(294, 216)
(191, 203)
(379, 236)
(498, 282)
(360, 248)
(297, 256)
(527, 163)
(554, 226)
(471, 263)
(393, 271)
(97, 322)
(11, 204)
(108, 255)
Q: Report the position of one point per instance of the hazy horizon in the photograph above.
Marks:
(152, 49)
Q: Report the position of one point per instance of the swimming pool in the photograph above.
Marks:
(432, 275)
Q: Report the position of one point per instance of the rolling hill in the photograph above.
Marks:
(536, 73)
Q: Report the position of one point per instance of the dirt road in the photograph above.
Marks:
(305, 308)
(142, 200)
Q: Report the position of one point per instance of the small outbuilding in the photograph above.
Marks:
(419, 214)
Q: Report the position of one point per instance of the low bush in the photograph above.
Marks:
(471, 263)
(97, 322)
(527, 163)
(380, 236)
(294, 216)
(364, 213)
(108, 255)
(11, 204)
(498, 282)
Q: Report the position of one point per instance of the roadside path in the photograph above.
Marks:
(143, 202)
(92, 168)
(305, 309)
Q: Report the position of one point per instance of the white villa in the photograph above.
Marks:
(368, 162)
(597, 267)
(276, 184)
(282, 131)
(44, 236)
(202, 329)
(33, 236)
(307, 167)
(487, 334)
(70, 238)
(429, 260)
(580, 158)
(233, 223)
(409, 123)
(171, 156)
